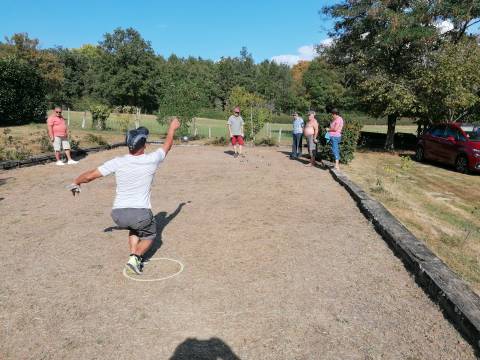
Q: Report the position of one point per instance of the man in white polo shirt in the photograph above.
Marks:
(134, 175)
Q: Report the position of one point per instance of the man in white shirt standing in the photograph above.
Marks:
(235, 128)
(134, 175)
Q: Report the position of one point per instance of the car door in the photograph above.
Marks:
(450, 145)
(433, 142)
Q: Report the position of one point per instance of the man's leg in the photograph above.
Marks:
(67, 152)
(298, 138)
(57, 155)
(294, 146)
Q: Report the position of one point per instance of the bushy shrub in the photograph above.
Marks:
(45, 143)
(22, 93)
(100, 114)
(348, 145)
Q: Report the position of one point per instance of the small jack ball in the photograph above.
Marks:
(185, 138)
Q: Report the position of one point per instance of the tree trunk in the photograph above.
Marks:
(392, 121)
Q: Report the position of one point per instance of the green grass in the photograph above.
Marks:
(440, 206)
(215, 127)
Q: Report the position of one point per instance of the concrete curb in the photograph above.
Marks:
(452, 294)
(43, 159)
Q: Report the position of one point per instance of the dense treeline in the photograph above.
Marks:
(124, 70)
(391, 59)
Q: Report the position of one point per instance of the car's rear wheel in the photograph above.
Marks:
(461, 164)
(420, 154)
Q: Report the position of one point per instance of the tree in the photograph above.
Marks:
(182, 101)
(21, 46)
(237, 71)
(254, 106)
(379, 43)
(22, 92)
(323, 85)
(274, 83)
(127, 69)
(449, 84)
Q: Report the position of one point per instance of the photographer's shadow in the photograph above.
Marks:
(162, 220)
(211, 349)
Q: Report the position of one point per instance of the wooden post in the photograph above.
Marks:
(84, 119)
(279, 136)
(68, 116)
(209, 133)
(251, 123)
(137, 121)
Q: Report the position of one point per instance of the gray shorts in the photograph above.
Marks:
(140, 222)
(311, 144)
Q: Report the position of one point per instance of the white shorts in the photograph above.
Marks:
(61, 142)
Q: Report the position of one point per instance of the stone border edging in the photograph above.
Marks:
(42, 159)
(453, 294)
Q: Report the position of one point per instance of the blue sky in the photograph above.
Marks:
(206, 28)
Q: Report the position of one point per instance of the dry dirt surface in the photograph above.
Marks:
(279, 263)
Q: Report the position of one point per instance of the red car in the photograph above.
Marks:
(453, 144)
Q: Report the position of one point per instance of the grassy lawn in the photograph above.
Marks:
(31, 139)
(441, 207)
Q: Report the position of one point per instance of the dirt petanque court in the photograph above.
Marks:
(261, 258)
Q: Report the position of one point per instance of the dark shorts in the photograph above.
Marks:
(237, 139)
(140, 222)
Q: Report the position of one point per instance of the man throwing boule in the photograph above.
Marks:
(134, 175)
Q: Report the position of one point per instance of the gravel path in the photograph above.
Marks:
(279, 264)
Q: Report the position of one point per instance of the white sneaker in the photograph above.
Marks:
(72, 162)
(60, 163)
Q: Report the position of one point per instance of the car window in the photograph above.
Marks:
(438, 131)
(474, 135)
(455, 133)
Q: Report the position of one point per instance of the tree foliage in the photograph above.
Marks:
(22, 92)
(127, 69)
(448, 87)
(390, 49)
(254, 109)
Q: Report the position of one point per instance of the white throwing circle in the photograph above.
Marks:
(156, 279)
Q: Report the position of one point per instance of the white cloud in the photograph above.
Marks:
(444, 26)
(304, 53)
(326, 42)
(289, 60)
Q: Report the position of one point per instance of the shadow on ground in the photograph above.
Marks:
(230, 152)
(162, 220)
(211, 349)
(3, 181)
(304, 159)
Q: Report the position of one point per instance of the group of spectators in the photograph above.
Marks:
(310, 131)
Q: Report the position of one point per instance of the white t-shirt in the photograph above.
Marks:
(134, 176)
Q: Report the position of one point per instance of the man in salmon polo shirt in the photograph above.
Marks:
(58, 134)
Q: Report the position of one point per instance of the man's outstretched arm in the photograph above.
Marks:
(174, 125)
(87, 176)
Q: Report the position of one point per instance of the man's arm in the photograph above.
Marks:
(87, 176)
(50, 130)
(174, 125)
